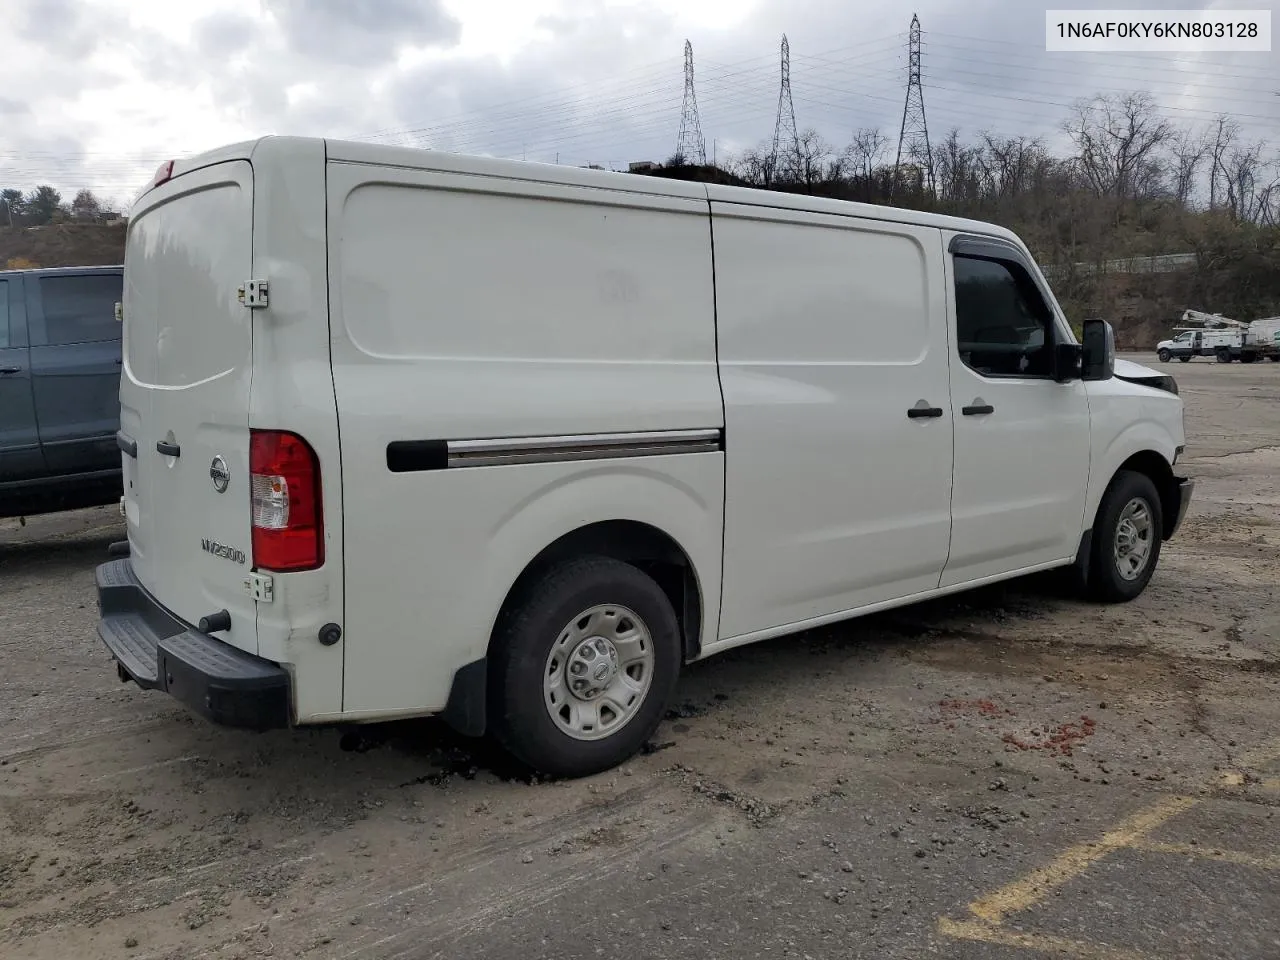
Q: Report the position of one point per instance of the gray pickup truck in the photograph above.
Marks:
(60, 356)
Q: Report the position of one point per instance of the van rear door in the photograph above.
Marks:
(184, 395)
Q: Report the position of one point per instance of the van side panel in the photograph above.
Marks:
(831, 329)
(469, 308)
(293, 390)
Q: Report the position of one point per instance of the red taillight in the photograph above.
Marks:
(288, 532)
(163, 173)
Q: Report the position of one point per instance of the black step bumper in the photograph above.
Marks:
(158, 651)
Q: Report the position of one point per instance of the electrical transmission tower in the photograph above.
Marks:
(691, 148)
(785, 136)
(913, 139)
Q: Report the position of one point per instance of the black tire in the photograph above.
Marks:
(1164, 355)
(1184, 359)
(1223, 356)
(1106, 583)
(521, 719)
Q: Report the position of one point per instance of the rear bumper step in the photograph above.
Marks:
(158, 651)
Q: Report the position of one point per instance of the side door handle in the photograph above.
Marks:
(5, 371)
(915, 413)
(168, 449)
(127, 444)
(977, 409)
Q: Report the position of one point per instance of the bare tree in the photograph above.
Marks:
(1189, 150)
(808, 159)
(1117, 139)
(956, 168)
(867, 152)
(1224, 136)
(755, 166)
(1250, 183)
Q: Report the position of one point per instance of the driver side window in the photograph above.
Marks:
(1003, 327)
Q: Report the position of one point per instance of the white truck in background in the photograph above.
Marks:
(1223, 338)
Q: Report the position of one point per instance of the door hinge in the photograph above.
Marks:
(253, 294)
(259, 586)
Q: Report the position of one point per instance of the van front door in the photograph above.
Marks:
(1021, 437)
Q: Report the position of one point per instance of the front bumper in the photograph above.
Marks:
(159, 651)
(1186, 487)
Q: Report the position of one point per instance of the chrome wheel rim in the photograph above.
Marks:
(1133, 541)
(598, 672)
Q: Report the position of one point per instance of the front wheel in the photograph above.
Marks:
(1126, 538)
(584, 667)
(1164, 355)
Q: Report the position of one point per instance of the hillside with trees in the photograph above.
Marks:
(1135, 185)
(40, 229)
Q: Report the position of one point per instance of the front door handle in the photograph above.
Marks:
(917, 412)
(5, 371)
(977, 409)
(168, 449)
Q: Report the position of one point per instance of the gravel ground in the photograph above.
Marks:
(1005, 774)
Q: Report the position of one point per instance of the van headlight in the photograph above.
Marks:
(1161, 381)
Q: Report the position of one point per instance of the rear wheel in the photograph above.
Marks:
(1184, 359)
(584, 665)
(1223, 355)
(1164, 355)
(1126, 538)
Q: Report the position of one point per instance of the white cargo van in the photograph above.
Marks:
(407, 433)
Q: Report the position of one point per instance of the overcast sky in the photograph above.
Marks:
(96, 93)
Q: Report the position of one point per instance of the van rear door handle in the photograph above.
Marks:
(978, 410)
(917, 412)
(168, 449)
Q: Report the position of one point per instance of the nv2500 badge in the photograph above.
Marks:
(222, 550)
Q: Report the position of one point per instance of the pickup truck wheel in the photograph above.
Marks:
(1164, 355)
(1126, 538)
(1184, 359)
(584, 667)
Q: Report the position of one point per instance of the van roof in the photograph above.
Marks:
(64, 271)
(421, 159)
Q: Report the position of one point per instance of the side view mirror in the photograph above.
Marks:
(1099, 351)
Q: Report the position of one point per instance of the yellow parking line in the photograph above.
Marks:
(980, 932)
(1201, 852)
(1130, 833)
(1035, 886)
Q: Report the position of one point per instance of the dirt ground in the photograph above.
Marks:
(1009, 774)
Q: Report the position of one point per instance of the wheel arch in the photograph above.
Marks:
(643, 545)
(1160, 471)
(640, 544)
